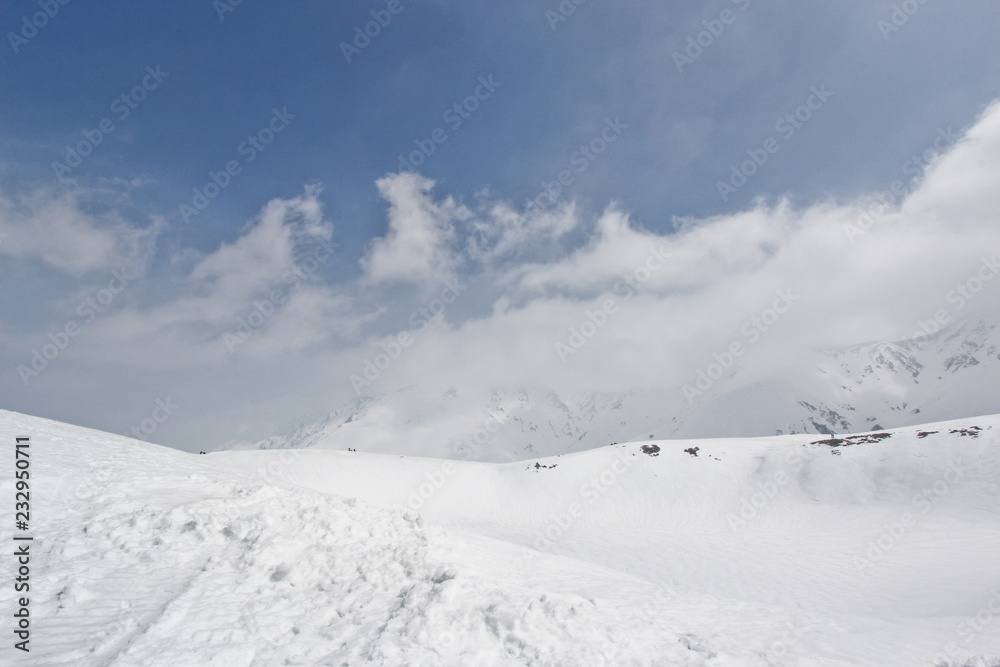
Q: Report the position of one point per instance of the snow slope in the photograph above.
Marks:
(770, 551)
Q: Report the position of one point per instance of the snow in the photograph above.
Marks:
(932, 378)
(760, 551)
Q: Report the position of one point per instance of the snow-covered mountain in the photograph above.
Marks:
(874, 550)
(950, 374)
(505, 425)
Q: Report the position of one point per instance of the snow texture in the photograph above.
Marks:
(803, 550)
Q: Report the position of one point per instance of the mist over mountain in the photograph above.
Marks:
(539, 315)
(949, 373)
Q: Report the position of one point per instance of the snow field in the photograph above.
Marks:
(889, 544)
(146, 556)
(742, 552)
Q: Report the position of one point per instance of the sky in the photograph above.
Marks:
(215, 216)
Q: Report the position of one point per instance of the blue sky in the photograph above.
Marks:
(896, 80)
(557, 86)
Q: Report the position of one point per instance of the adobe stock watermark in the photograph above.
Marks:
(277, 633)
(786, 127)
(71, 488)
(223, 7)
(122, 107)
(764, 492)
(752, 330)
(473, 443)
(652, 609)
(968, 629)
(779, 648)
(965, 292)
(275, 464)
(562, 12)
(30, 26)
(885, 200)
(900, 16)
(265, 308)
(433, 482)
(87, 311)
(250, 148)
(579, 161)
(894, 531)
(162, 410)
(381, 18)
(468, 446)
(590, 493)
(698, 43)
(959, 296)
(627, 287)
(454, 116)
(392, 348)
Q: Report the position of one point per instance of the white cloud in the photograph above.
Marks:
(962, 184)
(504, 233)
(266, 251)
(57, 230)
(721, 272)
(270, 268)
(418, 245)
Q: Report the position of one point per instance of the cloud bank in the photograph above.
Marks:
(463, 297)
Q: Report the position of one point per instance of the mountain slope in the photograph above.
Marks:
(879, 385)
(773, 551)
